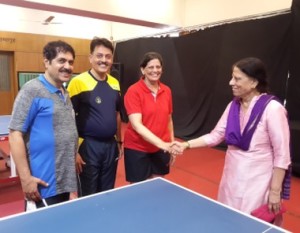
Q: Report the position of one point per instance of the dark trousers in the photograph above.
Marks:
(99, 172)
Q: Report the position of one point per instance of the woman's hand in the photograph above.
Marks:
(274, 203)
(178, 147)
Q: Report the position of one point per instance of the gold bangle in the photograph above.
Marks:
(188, 146)
(276, 192)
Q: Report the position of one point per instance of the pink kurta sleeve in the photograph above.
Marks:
(217, 135)
(277, 125)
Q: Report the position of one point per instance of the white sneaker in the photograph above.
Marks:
(7, 163)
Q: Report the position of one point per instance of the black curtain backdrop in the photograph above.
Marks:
(293, 87)
(197, 66)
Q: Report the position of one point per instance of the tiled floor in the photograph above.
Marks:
(198, 169)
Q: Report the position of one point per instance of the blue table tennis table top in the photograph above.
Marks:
(4, 121)
(155, 205)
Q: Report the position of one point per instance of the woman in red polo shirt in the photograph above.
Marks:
(148, 138)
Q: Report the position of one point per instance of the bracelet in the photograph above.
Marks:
(275, 192)
(188, 146)
(120, 142)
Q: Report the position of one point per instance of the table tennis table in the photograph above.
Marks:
(4, 122)
(156, 205)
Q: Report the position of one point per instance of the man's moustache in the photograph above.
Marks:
(67, 71)
(103, 63)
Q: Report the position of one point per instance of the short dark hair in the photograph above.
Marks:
(101, 41)
(254, 68)
(150, 56)
(51, 49)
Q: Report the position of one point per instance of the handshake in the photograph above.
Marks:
(175, 148)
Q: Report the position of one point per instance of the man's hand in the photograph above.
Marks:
(79, 163)
(30, 188)
(73, 195)
(121, 150)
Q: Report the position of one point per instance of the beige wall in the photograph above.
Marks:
(205, 11)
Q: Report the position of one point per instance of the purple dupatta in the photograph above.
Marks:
(234, 137)
(233, 134)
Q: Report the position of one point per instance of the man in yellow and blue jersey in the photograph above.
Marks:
(95, 96)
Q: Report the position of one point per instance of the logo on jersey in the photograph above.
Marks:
(98, 100)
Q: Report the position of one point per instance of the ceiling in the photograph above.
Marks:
(121, 20)
(30, 17)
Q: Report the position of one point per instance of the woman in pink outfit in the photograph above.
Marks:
(255, 127)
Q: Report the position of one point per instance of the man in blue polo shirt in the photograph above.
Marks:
(43, 137)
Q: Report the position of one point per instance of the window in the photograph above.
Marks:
(24, 77)
(5, 72)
